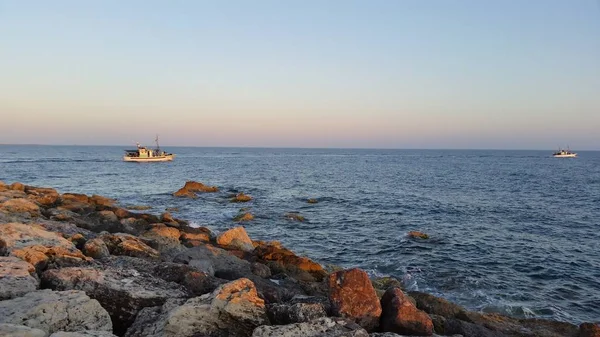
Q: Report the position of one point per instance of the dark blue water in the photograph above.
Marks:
(515, 232)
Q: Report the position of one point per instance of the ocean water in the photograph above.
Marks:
(516, 232)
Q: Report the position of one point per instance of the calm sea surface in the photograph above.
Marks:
(516, 232)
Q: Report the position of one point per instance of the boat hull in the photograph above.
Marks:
(571, 155)
(149, 159)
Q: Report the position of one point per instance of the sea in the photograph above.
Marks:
(513, 232)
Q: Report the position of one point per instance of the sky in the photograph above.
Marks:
(507, 74)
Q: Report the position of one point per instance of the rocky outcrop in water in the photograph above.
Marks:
(106, 271)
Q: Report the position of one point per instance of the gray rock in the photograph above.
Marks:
(322, 327)
(122, 292)
(53, 311)
(225, 265)
(234, 309)
(284, 313)
(261, 270)
(203, 266)
(88, 333)
(391, 334)
(13, 330)
(17, 278)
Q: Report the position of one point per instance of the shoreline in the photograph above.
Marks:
(138, 271)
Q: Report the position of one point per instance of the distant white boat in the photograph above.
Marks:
(144, 154)
(561, 153)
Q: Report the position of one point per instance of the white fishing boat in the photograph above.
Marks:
(562, 153)
(144, 154)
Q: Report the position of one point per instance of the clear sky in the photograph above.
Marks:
(302, 73)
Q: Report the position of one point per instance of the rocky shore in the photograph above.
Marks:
(79, 265)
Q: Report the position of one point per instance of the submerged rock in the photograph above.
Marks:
(401, 316)
(17, 278)
(53, 311)
(295, 217)
(241, 197)
(190, 187)
(243, 217)
(352, 296)
(417, 235)
(312, 201)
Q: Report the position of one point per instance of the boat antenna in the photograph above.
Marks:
(156, 140)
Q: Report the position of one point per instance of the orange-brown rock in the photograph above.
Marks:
(101, 201)
(78, 240)
(418, 235)
(96, 248)
(236, 238)
(192, 237)
(75, 197)
(402, 317)
(183, 193)
(243, 217)
(273, 251)
(42, 195)
(17, 186)
(3, 186)
(40, 256)
(20, 205)
(195, 186)
(48, 199)
(17, 235)
(241, 197)
(163, 231)
(190, 187)
(128, 245)
(589, 330)
(352, 296)
(122, 213)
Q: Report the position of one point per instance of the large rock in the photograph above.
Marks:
(352, 296)
(88, 333)
(236, 238)
(193, 237)
(96, 248)
(128, 245)
(401, 316)
(234, 309)
(589, 330)
(20, 205)
(436, 305)
(17, 235)
(42, 257)
(284, 313)
(17, 278)
(52, 311)
(14, 330)
(164, 238)
(122, 292)
(322, 327)
(299, 267)
(224, 264)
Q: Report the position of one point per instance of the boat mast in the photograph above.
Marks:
(157, 146)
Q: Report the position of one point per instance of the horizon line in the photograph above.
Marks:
(309, 148)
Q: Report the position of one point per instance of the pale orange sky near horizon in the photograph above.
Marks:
(374, 75)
